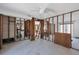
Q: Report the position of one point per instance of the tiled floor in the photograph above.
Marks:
(37, 47)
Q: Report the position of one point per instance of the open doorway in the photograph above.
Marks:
(37, 29)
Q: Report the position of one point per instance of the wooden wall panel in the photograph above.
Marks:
(32, 29)
(27, 28)
(42, 28)
(48, 27)
(5, 27)
(12, 27)
(63, 39)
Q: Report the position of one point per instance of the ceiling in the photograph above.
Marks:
(37, 10)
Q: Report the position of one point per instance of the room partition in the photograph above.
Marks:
(30, 29)
(7, 29)
(63, 35)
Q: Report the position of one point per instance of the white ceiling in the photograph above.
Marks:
(38, 10)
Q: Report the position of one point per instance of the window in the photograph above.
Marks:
(66, 28)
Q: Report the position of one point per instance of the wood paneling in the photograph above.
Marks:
(5, 27)
(12, 27)
(27, 28)
(42, 28)
(32, 29)
(48, 28)
(63, 39)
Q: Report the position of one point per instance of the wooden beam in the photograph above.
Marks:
(32, 29)
(42, 28)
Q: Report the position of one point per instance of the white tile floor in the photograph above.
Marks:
(37, 47)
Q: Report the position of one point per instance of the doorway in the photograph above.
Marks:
(37, 29)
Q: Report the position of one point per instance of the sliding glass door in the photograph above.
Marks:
(75, 30)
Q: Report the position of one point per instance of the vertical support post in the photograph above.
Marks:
(15, 29)
(57, 23)
(8, 27)
(32, 29)
(63, 22)
(71, 27)
(48, 29)
(1, 31)
(54, 26)
(20, 28)
(24, 28)
(42, 28)
(71, 23)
